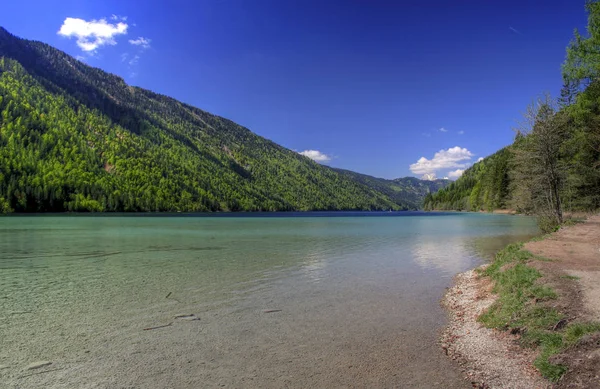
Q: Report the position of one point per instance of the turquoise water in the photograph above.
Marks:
(354, 300)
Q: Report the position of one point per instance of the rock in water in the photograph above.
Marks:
(271, 310)
(37, 365)
(182, 315)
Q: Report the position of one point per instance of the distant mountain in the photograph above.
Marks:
(408, 192)
(75, 138)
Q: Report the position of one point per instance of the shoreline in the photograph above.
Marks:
(568, 262)
(488, 358)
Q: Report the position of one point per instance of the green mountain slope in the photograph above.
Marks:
(553, 165)
(483, 186)
(408, 192)
(75, 138)
(516, 177)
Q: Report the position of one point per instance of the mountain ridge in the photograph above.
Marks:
(80, 139)
(410, 191)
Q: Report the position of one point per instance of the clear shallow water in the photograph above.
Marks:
(359, 298)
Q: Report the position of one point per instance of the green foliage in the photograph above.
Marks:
(548, 223)
(582, 63)
(576, 331)
(74, 138)
(483, 186)
(4, 206)
(510, 254)
(550, 344)
(521, 307)
(556, 164)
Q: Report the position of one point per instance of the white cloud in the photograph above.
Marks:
(141, 41)
(461, 132)
(315, 155)
(453, 158)
(134, 60)
(443, 130)
(456, 173)
(92, 34)
(118, 17)
(479, 159)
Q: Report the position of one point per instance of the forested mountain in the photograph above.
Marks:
(75, 138)
(408, 192)
(483, 186)
(553, 164)
(550, 168)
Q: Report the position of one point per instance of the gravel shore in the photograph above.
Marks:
(490, 358)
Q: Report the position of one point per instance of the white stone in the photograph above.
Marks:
(37, 365)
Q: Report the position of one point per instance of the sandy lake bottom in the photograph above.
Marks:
(187, 302)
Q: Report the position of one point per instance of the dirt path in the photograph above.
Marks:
(575, 251)
(575, 273)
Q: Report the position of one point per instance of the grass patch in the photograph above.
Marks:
(542, 363)
(510, 254)
(568, 277)
(543, 293)
(539, 238)
(573, 221)
(543, 259)
(576, 331)
(520, 307)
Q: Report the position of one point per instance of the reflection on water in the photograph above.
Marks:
(348, 291)
(453, 243)
(449, 255)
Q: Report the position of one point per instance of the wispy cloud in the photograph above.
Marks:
(443, 130)
(452, 158)
(141, 42)
(461, 132)
(134, 60)
(92, 34)
(427, 134)
(118, 17)
(515, 30)
(316, 155)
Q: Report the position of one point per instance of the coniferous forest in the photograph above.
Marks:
(75, 138)
(553, 165)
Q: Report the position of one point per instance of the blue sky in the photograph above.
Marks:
(371, 86)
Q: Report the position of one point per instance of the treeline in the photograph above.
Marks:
(74, 138)
(553, 165)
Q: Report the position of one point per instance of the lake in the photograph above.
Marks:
(283, 300)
